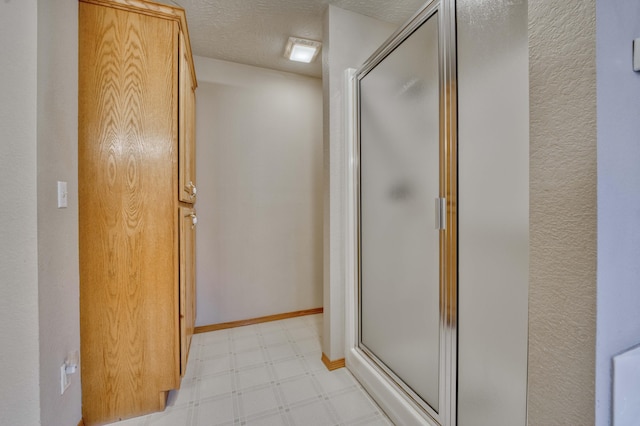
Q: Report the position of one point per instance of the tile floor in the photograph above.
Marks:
(266, 374)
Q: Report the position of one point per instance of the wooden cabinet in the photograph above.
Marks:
(137, 287)
(187, 182)
(188, 221)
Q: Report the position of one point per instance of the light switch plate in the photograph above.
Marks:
(636, 54)
(64, 380)
(626, 382)
(62, 195)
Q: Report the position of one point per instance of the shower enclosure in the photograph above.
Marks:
(437, 223)
(404, 191)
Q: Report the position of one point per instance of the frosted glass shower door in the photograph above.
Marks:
(399, 102)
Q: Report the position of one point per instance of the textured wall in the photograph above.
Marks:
(19, 390)
(618, 196)
(259, 176)
(349, 39)
(562, 288)
(58, 228)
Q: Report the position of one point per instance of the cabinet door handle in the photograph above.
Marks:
(194, 220)
(191, 189)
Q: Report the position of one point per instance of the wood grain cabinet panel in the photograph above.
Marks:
(187, 183)
(134, 334)
(188, 221)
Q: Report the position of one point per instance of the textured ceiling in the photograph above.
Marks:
(255, 32)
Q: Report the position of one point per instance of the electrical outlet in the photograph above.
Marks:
(64, 380)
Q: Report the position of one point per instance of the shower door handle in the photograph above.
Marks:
(441, 213)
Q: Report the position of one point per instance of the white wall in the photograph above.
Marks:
(562, 187)
(618, 196)
(348, 40)
(19, 390)
(259, 178)
(58, 228)
(39, 291)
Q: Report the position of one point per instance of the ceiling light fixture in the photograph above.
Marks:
(302, 50)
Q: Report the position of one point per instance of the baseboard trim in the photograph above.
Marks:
(268, 318)
(332, 365)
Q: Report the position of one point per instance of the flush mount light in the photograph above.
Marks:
(302, 50)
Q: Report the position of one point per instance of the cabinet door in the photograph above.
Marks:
(187, 181)
(127, 132)
(188, 221)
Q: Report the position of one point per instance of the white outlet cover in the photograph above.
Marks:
(636, 54)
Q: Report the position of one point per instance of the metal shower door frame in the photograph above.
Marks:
(445, 10)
